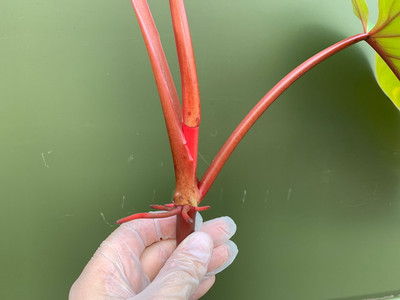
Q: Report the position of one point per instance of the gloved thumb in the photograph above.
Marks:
(183, 271)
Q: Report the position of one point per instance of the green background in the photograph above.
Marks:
(313, 188)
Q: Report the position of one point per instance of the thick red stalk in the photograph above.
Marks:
(186, 191)
(182, 131)
(244, 126)
(190, 113)
(187, 64)
(162, 74)
(190, 86)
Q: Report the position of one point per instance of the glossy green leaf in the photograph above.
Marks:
(389, 19)
(385, 39)
(389, 83)
(360, 9)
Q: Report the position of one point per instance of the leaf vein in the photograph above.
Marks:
(387, 22)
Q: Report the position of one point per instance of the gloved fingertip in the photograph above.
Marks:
(233, 252)
(220, 229)
(231, 226)
(233, 248)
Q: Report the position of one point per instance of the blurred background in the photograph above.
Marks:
(313, 188)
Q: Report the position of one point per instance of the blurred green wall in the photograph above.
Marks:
(313, 188)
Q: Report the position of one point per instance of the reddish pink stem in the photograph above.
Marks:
(162, 74)
(244, 126)
(186, 190)
(187, 64)
(190, 85)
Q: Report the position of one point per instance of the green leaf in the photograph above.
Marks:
(389, 19)
(388, 81)
(360, 9)
(385, 39)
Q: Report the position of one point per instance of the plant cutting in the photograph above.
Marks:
(182, 118)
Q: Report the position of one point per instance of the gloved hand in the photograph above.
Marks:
(140, 260)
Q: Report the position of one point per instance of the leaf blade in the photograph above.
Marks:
(388, 19)
(385, 40)
(388, 81)
(360, 9)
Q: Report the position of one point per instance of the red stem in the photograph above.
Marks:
(187, 64)
(186, 191)
(162, 74)
(190, 85)
(244, 126)
(184, 228)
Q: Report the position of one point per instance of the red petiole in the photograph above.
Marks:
(244, 126)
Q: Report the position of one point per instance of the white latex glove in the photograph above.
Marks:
(139, 260)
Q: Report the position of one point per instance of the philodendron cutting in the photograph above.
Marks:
(183, 120)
